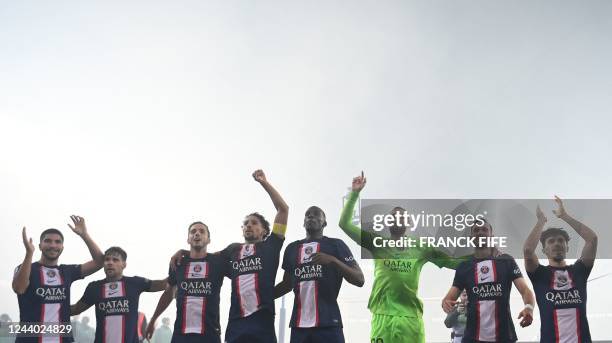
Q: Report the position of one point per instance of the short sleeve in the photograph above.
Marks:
(171, 277)
(275, 241)
(89, 297)
(514, 271)
(286, 258)
(72, 271)
(344, 254)
(141, 284)
(581, 269)
(458, 281)
(537, 275)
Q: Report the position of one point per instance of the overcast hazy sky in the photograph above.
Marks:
(143, 116)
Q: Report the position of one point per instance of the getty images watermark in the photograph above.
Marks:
(391, 225)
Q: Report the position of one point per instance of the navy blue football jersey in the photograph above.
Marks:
(488, 283)
(252, 269)
(315, 286)
(116, 305)
(47, 298)
(198, 283)
(562, 295)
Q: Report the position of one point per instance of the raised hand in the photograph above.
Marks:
(358, 183)
(259, 176)
(79, 225)
(540, 215)
(560, 211)
(27, 242)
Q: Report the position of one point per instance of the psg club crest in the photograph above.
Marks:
(308, 254)
(484, 269)
(113, 286)
(197, 268)
(248, 250)
(51, 274)
(561, 280)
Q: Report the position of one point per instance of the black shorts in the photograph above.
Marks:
(256, 328)
(332, 334)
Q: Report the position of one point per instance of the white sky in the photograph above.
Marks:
(144, 116)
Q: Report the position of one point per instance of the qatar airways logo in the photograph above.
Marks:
(400, 266)
(564, 297)
(197, 287)
(488, 290)
(114, 306)
(51, 294)
(247, 265)
(309, 271)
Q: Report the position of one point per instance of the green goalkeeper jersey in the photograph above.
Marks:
(396, 271)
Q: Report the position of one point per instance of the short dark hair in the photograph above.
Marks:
(51, 231)
(263, 221)
(116, 250)
(199, 222)
(553, 231)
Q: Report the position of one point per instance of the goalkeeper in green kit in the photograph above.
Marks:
(397, 312)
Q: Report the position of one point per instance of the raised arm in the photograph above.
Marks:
(354, 232)
(528, 299)
(590, 237)
(97, 256)
(21, 279)
(531, 259)
(352, 274)
(282, 210)
(283, 287)
(164, 301)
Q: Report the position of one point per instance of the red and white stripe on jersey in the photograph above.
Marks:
(247, 289)
(561, 280)
(566, 321)
(196, 270)
(50, 277)
(114, 329)
(306, 250)
(246, 250)
(50, 313)
(567, 325)
(487, 312)
(114, 326)
(194, 314)
(307, 306)
(113, 289)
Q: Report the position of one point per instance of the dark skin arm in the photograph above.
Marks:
(283, 287)
(78, 308)
(352, 274)
(158, 285)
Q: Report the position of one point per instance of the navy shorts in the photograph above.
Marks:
(256, 328)
(332, 334)
(195, 338)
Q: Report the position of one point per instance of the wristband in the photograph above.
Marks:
(529, 306)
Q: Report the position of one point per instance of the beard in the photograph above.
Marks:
(48, 255)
